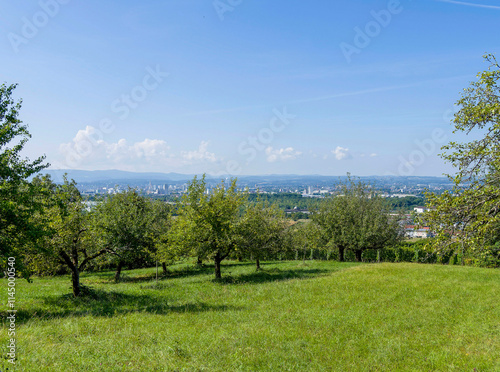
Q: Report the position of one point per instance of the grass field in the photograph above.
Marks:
(321, 316)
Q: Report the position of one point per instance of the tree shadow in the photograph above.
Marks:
(99, 303)
(271, 275)
(109, 277)
(189, 271)
(242, 263)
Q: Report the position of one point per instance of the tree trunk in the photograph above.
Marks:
(378, 255)
(164, 267)
(358, 255)
(257, 263)
(118, 271)
(341, 254)
(217, 261)
(75, 278)
(199, 262)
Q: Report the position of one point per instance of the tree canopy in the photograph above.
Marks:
(467, 218)
(128, 225)
(261, 230)
(357, 219)
(18, 230)
(207, 222)
(69, 241)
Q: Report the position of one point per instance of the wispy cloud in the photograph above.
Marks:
(332, 96)
(221, 111)
(470, 4)
(376, 90)
(281, 154)
(201, 154)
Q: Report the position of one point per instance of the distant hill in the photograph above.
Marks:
(124, 177)
(83, 176)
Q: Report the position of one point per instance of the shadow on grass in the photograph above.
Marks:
(100, 303)
(271, 275)
(109, 276)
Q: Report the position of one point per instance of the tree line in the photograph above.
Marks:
(130, 230)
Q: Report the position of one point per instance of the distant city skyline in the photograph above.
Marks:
(245, 87)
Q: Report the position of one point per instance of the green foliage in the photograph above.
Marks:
(286, 200)
(357, 219)
(158, 229)
(467, 219)
(260, 231)
(306, 237)
(19, 232)
(406, 203)
(207, 224)
(131, 228)
(70, 242)
(408, 251)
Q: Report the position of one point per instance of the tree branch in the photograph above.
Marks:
(90, 258)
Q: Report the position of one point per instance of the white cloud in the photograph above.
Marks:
(341, 153)
(471, 4)
(201, 154)
(372, 155)
(281, 154)
(88, 150)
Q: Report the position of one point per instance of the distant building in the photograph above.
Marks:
(413, 231)
(421, 209)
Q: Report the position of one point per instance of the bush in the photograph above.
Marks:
(404, 252)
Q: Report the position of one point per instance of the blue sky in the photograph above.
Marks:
(244, 87)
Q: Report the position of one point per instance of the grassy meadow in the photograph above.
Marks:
(291, 316)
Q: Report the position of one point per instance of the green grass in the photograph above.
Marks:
(322, 316)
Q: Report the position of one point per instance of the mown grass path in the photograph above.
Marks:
(322, 316)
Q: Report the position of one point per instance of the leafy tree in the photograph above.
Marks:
(261, 231)
(18, 230)
(407, 203)
(70, 242)
(466, 219)
(207, 223)
(357, 219)
(180, 241)
(158, 232)
(127, 224)
(306, 236)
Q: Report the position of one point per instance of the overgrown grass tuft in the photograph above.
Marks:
(321, 316)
